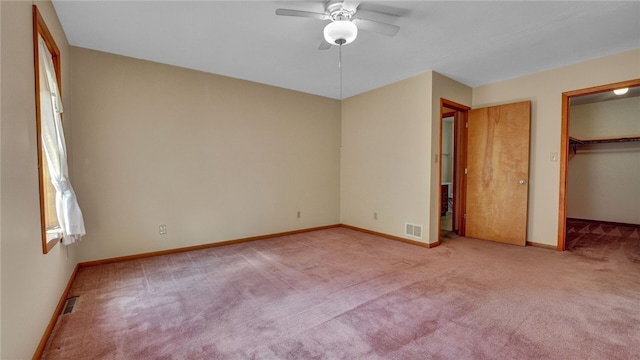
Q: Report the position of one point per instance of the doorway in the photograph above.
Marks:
(453, 117)
(570, 144)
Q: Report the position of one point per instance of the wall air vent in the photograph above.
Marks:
(413, 230)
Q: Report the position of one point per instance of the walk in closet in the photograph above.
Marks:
(603, 185)
(604, 159)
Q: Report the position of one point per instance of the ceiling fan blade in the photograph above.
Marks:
(377, 27)
(299, 13)
(350, 4)
(324, 45)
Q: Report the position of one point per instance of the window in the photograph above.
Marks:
(51, 233)
(60, 214)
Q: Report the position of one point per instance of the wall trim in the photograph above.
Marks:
(200, 247)
(56, 314)
(392, 237)
(248, 239)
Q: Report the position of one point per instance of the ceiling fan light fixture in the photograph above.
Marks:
(620, 91)
(340, 32)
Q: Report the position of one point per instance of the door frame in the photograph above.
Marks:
(459, 163)
(564, 147)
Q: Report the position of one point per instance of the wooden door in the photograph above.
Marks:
(498, 173)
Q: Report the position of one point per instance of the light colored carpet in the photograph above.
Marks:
(342, 294)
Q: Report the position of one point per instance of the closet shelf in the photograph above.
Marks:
(575, 142)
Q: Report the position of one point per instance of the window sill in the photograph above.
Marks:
(53, 236)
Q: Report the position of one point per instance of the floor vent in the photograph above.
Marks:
(413, 230)
(69, 305)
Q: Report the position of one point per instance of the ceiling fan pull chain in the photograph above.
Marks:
(340, 66)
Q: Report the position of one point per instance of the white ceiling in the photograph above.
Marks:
(475, 42)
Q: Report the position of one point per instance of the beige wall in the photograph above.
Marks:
(603, 178)
(606, 119)
(213, 158)
(544, 89)
(385, 147)
(32, 283)
(390, 139)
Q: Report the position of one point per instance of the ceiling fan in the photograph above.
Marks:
(347, 16)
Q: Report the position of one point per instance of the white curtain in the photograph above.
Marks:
(55, 149)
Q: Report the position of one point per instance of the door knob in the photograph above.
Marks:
(522, 181)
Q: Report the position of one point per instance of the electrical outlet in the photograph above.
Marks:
(163, 229)
(375, 216)
(299, 214)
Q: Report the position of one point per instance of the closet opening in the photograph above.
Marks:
(599, 172)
